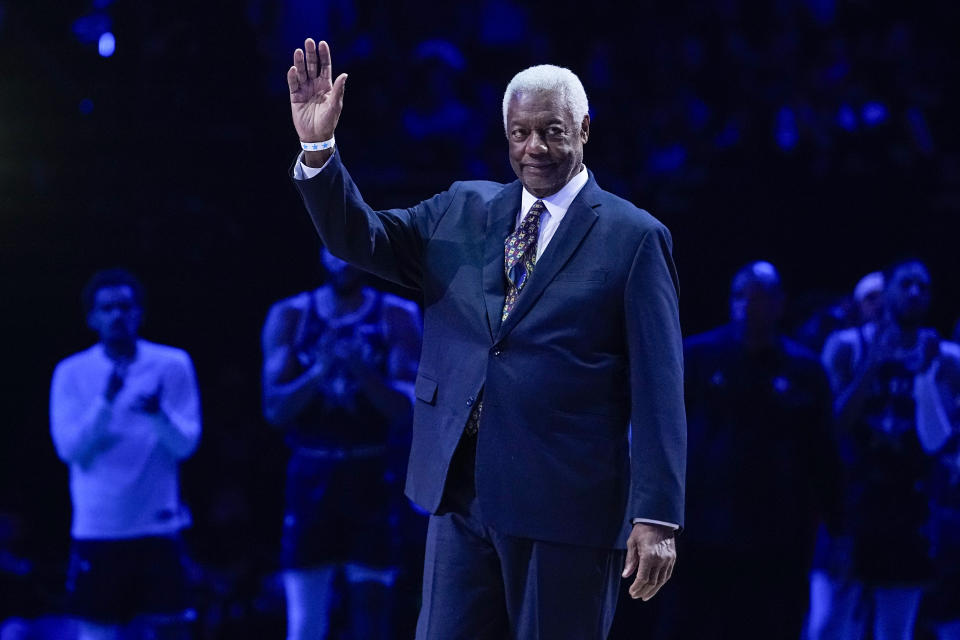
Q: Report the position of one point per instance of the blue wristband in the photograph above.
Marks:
(318, 146)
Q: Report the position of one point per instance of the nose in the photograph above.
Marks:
(536, 144)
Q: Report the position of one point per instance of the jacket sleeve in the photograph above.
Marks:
(387, 243)
(658, 437)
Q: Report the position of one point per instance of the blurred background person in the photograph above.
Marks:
(338, 371)
(831, 563)
(941, 605)
(760, 475)
(123, 414)
(868, 296)
(890, 378)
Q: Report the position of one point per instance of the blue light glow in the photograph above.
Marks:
(90, 27)
(667, 159)
(86, 106)
(107, 44)
(874, 113)
(846, 117)
(786, 132)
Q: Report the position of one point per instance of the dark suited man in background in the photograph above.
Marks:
(549, 438)
(760, 410)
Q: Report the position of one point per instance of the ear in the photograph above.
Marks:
(585, 129)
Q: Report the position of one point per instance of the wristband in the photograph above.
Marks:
(319, 146)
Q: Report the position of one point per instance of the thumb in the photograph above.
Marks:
(631, 562)
(339, 86)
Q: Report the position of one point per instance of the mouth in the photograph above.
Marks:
(538, 168)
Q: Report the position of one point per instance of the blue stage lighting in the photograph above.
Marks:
(786, 133)
(107, 44)
(874, 113)
(667, 159)
(91, 27)
(847, 117)
(86, 106)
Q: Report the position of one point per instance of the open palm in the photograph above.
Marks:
(315, 99)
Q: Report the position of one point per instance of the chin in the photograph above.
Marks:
(542, 190)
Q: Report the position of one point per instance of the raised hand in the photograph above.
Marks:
(315, 99)
(148, 403)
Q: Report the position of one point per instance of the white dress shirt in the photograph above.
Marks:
(556, 207)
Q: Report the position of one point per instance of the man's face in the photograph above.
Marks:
(871, 305)
(908, 293)
(546, 145)
(115, 315)
(756, 305)
(343, 278)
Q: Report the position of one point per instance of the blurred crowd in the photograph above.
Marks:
(823, 490)
(855, 446)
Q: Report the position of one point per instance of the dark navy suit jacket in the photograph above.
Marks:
(583, 423)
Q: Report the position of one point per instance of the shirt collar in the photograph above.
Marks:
(558, 203)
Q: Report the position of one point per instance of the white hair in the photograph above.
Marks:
(868, 284)
(549, 78)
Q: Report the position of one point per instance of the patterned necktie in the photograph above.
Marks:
(520, 255)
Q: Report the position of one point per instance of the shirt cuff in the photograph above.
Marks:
(660, 522)
(303, 172)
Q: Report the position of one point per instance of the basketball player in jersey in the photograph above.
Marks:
(339, 366)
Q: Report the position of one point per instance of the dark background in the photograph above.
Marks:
(818, 135)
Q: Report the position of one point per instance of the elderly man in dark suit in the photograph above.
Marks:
(549, 436)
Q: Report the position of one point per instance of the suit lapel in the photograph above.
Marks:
(501, 218)
(574, 226)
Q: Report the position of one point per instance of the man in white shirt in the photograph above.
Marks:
(123, 414)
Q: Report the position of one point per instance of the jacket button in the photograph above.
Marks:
(497, 351)
(469, 402)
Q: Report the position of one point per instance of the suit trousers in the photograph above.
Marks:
(481, 584)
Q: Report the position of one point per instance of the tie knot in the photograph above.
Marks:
(531, 222)
(536, 208)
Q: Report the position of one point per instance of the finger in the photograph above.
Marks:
(310, 50)
(643, 576)
(661, 580)
(300, 66)
(325, 72)
(292, 80)
(640, 584)
(652, 585)
(670, 566)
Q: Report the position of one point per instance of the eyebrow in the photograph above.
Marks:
(515, 123)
